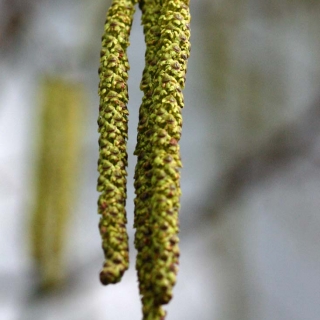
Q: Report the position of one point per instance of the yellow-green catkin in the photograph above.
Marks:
(56, 175)
(151, 10)
(113, 129)
(157, 177)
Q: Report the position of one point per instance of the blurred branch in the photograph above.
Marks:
(13, 17)
(290, 142)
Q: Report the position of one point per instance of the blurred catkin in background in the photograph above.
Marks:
(57, 174)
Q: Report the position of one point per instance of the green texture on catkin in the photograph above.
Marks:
(157, 177)
(151, 10)
(112, 122)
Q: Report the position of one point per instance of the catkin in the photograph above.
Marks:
(157, 177)
(112, 122)
(59, 145)
(157, 173)
(151, 10)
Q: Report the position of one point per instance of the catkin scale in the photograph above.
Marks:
(112, 122)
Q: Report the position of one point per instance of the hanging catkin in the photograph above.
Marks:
(151, 10)
(113, 131)
(58, 158)
(157, 177)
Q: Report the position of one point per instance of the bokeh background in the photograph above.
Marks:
(250, 223)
